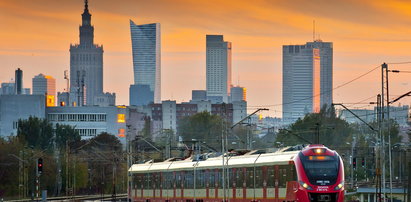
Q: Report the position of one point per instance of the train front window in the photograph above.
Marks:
(321, 171)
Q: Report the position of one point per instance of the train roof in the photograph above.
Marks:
(281, 157)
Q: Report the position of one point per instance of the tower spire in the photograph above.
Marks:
(86, 30)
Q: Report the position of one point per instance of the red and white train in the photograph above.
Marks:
(314, 173)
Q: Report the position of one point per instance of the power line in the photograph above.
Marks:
(400, 71)
(339, 86)
(361, 101)
(398, 63)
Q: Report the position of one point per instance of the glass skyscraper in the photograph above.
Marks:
(146, 45)
(307, 78)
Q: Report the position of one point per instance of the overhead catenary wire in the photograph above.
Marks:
(366, 99)
(337, 87)
(399, 63)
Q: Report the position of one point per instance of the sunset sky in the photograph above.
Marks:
(35, 36)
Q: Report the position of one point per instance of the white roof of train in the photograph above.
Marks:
(276, 158)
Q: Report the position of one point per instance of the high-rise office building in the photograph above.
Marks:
(86, 65)
(218, 62)
(307, 78)
(141, 95)
(8, 88)
(326, 73)
(198, 95)
(19, 81)
(146, 46)
(238, 94)
(45, 85)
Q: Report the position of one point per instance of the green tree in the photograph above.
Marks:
(103, 155)
(146, 131)
(37, 133)
(66, 133)
(332, 130)
(203, 127)
(10, 166)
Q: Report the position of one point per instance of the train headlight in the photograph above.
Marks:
(305, 185)
(339, 186)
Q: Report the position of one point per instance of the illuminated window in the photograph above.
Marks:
(121, 118)
(50, 101)
(121, 132)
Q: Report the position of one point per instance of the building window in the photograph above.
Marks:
(121, 132)
(121, 118)
(15, 124)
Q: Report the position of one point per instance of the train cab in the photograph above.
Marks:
(320, 173)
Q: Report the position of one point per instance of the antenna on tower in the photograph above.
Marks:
(313, 30)
(68, 80)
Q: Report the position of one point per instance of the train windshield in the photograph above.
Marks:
(321, 170)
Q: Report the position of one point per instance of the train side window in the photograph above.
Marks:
(200, 179)
(183, 176)
(282, 176)
(172, 180)
(239, 177)
(188, 179)
(136, 181)
(211, 182)
(157, 180)
(217, 177)
(270, 176)
(220, 179)
(230, 180)
(141, 181)
(178, 179)
(291, 174)
(164, 180)
(147, 180)
(259, 177)
(250, 177)
(206, 178)
(153, 180)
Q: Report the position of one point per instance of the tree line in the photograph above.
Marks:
(70, 165)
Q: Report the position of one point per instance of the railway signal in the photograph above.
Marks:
(39, 166)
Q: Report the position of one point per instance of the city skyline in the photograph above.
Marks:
(363, 38)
